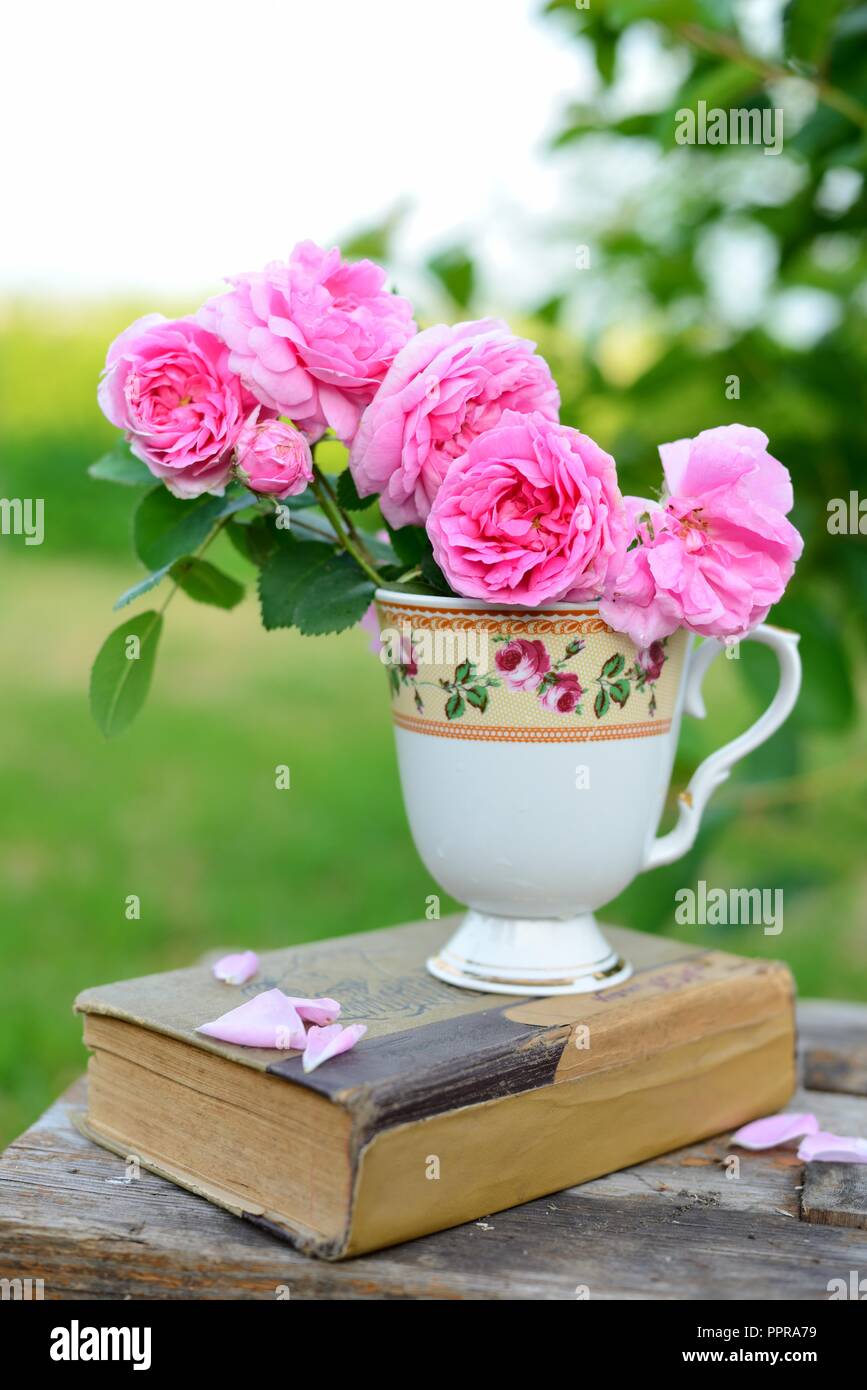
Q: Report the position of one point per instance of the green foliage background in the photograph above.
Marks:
(183, 811)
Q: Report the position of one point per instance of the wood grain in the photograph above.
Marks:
(835, 1194)
(835, 1052)
(674, 1228)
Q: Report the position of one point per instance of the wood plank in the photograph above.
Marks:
(674, 1228)
(835, 1194)
(834, 1049)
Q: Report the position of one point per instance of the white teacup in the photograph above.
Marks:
(535, 752)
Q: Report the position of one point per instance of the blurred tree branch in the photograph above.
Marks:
(724, 46)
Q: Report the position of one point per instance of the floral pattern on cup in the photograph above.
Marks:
(465, 688)
(616, 680)
(525, 665)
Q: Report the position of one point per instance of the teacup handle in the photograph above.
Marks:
(715, 769)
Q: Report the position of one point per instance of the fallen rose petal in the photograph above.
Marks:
(323, 1043)
(237, 969)
(268, 1019)
(773, 1130)
(318, 1011)
(833, 1148)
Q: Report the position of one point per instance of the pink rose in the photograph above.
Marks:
(562, 693)
(273, 458)
(531, 513)
(446, 387)
(312, 337)
(168, 384)
(719, 552)
(633, 603)
(522, 663)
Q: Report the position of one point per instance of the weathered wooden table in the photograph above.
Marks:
(674, 1228)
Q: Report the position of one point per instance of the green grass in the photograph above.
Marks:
(183, 811)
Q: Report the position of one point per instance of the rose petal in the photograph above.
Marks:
(773, 1130)
(236, 969)
(319, 1011)
(268, 1019)
(833, 1148)
(323, 1043)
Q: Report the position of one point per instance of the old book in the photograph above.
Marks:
(454, 1105)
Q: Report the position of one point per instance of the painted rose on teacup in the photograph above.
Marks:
(522, 663)
(650, 660)
(562, 692)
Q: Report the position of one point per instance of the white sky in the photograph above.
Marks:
(161, 145)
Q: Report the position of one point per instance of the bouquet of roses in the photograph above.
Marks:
(453, 431)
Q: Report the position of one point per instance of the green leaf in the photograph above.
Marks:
(414, 586)
(284, 575)
(623, 12)
(477, 695)
(301, 502)
(203, 582)
(120, 465)
(122, 672)
(256, 540)
(549, 310)
(456, 273)
(601, 703)
(433, 575)
(380, 552)
(374, 243)
(576, 645)
(410, 544)
(334, 598)
(464, 672)
(606, 55)
(144, 585)
(311, 522)
(613, 666)
(808, 28)
(455, 705)
(165, 528)
(391, 572)
(347, 494)
(725, 85)
(619, 692)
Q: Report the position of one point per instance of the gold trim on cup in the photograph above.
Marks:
(555, 983)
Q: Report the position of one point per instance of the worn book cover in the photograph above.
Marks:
(454, 1105)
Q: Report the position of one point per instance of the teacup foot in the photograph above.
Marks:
(522, 955)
